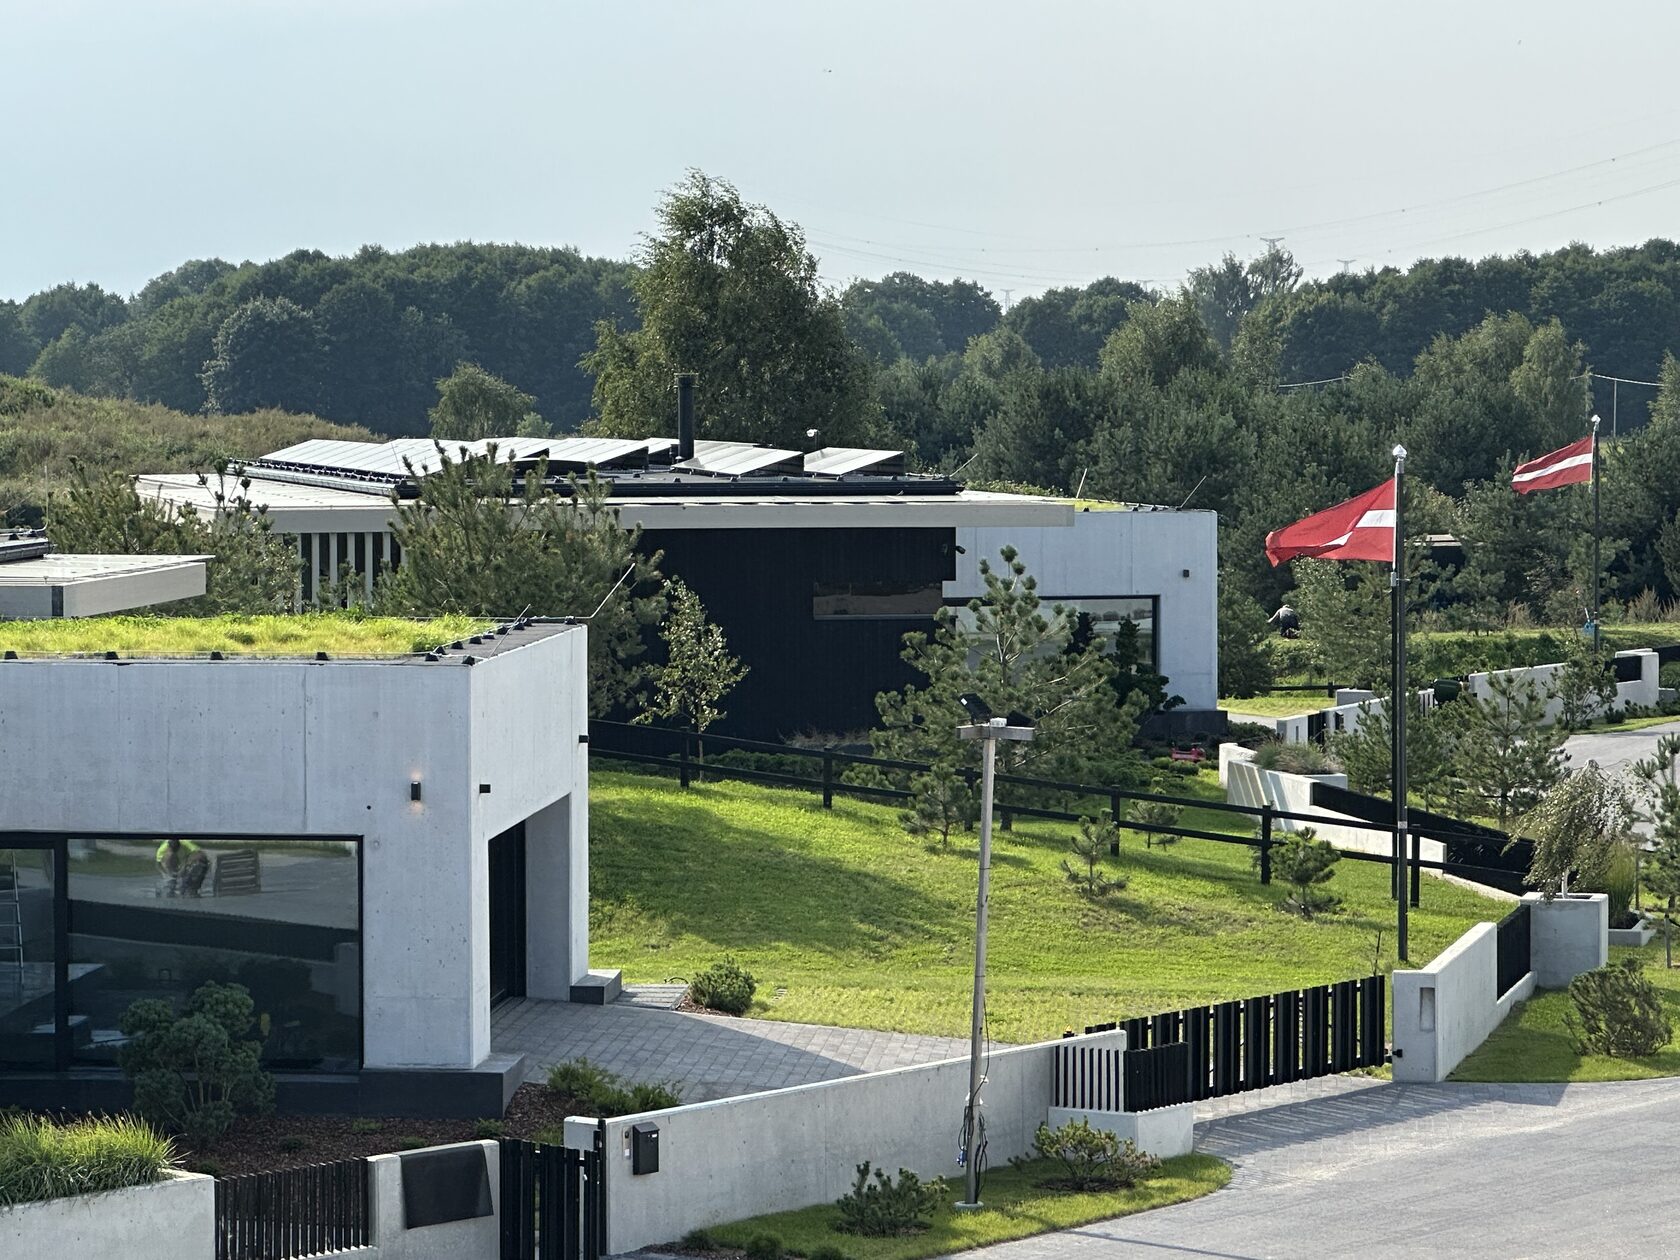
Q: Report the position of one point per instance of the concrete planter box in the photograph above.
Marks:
(173, 1219)
(1567, 935)
(1638, 935)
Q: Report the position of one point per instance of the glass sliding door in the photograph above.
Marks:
(29, 957)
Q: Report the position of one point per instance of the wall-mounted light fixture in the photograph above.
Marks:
(414, 789)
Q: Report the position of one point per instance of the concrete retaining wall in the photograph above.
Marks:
(789, 1148)
(393, 1240)
(1445, 1010)
(169, 1220)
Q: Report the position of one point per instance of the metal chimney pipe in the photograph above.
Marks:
(685, 415)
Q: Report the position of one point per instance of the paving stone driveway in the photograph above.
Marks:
(1420, 1170)
(711, 1056)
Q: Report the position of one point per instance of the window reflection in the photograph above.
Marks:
(26, 957)
(156, 919)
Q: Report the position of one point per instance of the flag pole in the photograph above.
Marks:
(1597, 651)
(1397, 698)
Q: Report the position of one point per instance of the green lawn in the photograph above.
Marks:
(1278, 703)
(1015, 1207)
(337, 634)
(846, 920)
(1534, 1044)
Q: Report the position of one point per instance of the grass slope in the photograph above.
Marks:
(846, 920)
(43, 431)
(1534, 1043)
(1015, 1207)
(337, 634)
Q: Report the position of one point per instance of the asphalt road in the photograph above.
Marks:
(1616, 750)
(1420, 1170)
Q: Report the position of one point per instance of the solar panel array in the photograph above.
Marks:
(404, 459)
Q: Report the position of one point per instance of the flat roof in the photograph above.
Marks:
(659, 503)
(59, 585)
(272, 636)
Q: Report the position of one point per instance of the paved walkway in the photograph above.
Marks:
(1419, 1170)
(710, 1056)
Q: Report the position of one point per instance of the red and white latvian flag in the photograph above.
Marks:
(1360, 529)
(1569, 467)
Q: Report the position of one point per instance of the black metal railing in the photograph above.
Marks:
(1513, 941)
(553, 1201)
(1251, 1043)
(293, 1212)
(674, 751)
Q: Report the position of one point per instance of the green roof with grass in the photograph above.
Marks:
(337, 634)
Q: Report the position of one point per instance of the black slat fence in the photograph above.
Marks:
(293, 1212)
(1513, 950)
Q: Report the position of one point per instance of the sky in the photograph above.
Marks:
(1022, 145)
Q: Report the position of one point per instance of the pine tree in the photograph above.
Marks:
(1660, 871)
(1305, 862)
(1506, 755)
(1090, 845)
(943, 800)
(1366, 752)
(1010, 651)
(1159, 814)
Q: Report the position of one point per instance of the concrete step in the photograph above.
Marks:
(599, 987)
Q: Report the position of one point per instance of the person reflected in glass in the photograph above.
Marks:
(182, 866)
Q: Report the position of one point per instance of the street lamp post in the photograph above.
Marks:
(988, 730)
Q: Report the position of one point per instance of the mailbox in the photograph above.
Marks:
(644, 1148)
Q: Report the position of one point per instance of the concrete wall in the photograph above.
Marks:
(1567, 935)
(169, 1220)
(393, 1240)
(1642, 691)
(1124, 553)
(789, 1148)
(1445, 1010)
(306, 748)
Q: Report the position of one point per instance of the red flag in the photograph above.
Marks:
(1568, 467)
(1360, 529)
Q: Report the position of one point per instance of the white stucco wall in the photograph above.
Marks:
(1447, 1009)
(300, 748)
(790, 1148)
(1124, 553)
(1641, 691)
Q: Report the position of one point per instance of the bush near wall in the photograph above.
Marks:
(1455, 653)
(44, 1159)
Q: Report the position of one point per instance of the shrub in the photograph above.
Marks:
(828, 1253)
(604, 1094)
(1293, 758)
(1668, 675)
(764, 1247)
(43, 1159)
(884, 1208)
(1091, 1159)
(409, 1142)
(194, 1072)
(1617, 1012)
(724, 986)
(489, 1128)
(365, 1125)
(292, 1143)
(698, 1240)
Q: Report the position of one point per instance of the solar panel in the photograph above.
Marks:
(740, 459)
(597, 453)
(837, 461)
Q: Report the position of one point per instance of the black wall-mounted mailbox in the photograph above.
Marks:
(644, 1148)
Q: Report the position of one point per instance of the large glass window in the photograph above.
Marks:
(27, 958)
(1107, 615)
(156, 919)
(879, 600)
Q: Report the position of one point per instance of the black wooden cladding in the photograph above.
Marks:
(1087, 1078)
(553, 1204)
(1158, 1078)
(293, 1212)
(1233, 1047)
(1513, 943)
